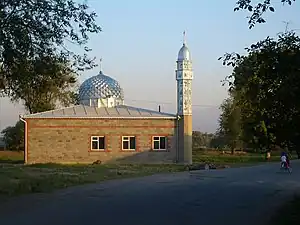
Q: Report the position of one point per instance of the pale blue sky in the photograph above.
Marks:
(141, 39)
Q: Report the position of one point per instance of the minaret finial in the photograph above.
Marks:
(184, 38)
(100, 65)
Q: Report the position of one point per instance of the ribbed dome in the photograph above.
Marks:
(184, 53)
(100, 87)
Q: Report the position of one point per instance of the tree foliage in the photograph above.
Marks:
(201, 139)
(37, 64)
(229, 122)
(218, 141)
(258, 9)
(47, 81)
(14, 137)
(267, 80)
(31, 29)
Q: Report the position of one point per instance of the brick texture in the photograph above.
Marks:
(69, 140)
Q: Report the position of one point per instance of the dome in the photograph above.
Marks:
(100, 87)
(184, 53)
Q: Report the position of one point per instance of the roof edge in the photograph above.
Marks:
(166, 114)
(101, 117)
(52, 110)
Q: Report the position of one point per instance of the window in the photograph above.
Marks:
(159, 143)
(98, 143)
(128, 143)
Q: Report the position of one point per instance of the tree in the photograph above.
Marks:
(47, 82)
(230, 122)
(14, 137)
(267, 79)
(218, 141)
(30, 29)
(74, 98)
(257, 10)
(201, 139)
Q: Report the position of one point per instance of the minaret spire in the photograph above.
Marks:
(100, 64)
(184, 38)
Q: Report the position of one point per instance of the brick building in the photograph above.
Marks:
(103, 128)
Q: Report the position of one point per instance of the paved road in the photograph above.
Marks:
(232, 196)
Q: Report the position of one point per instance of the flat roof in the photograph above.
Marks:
(83, 111)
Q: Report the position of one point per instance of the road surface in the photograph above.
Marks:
(217, 197)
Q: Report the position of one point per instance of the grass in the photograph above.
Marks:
(20, 179)
(217, 157)
(16, 178)
(288, 213)
(11, 157)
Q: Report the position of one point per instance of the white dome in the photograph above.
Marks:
(184, 53)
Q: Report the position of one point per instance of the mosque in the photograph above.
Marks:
(103, 128)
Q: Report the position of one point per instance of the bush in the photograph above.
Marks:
(14, 137)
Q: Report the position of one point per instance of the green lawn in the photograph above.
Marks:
(20, 179)
(16, 178)
(217, 157)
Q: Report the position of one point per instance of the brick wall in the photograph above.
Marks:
(68, 140)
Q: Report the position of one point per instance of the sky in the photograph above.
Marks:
(141, 39)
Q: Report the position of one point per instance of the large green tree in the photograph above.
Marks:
(258, 9)
(267, 79)
(31, 29)
(260, 81)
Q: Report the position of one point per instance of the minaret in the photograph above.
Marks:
(184, 76)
